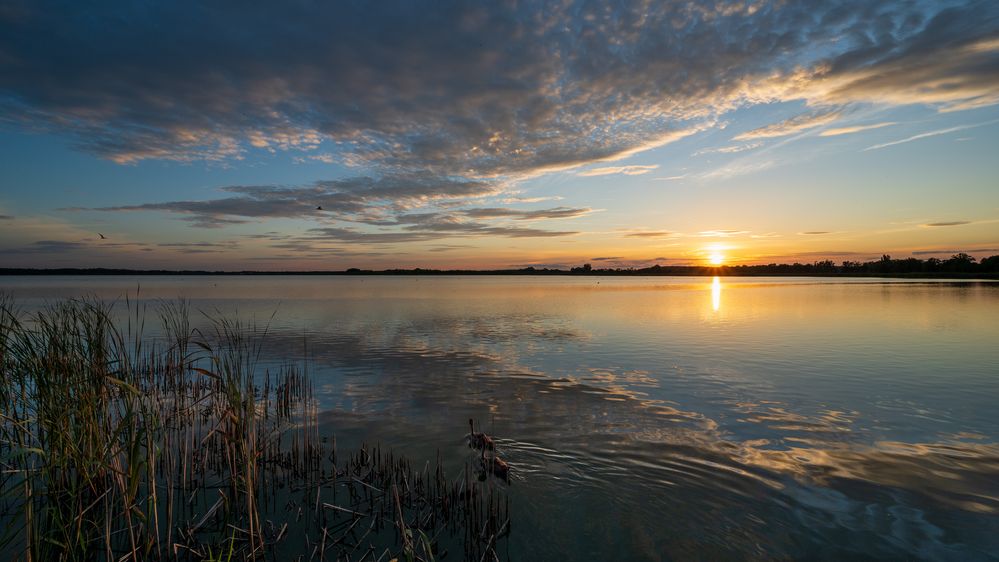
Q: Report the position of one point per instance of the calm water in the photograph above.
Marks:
(659, 418)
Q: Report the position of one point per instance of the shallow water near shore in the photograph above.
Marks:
(655, 418)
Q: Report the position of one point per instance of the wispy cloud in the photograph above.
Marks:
(931, 134)
(729, 149)
(946, 223)
(49, 247)
(361, 199)
(854, 129)
(649, 234)
(791, 126)
(741, 167)
(952, 252)
(722, 233)
(515, 214)
(515, 200)
(325, 158)
(635, 170)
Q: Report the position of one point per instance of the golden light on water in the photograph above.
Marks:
(716, 293)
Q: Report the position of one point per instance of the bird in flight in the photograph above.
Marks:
(319, 208)
(102, 236)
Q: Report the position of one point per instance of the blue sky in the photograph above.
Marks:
(445, 135)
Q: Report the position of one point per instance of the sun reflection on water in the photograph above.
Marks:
(716, 293)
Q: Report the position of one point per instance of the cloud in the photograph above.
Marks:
(739, 168)
(854, 129)
(449, 247)
(626, 170)
(948, 223)
(359, 198)
(515, 200)
(606, 259)
(817, 254)
(791, 126)
(6, 218)
(649, 234)
(729, 149)
(49, 247)
(200, 247)
(325, 158)
(555, 213)
(509, 89)
(952, 252)
(948, 59)
(722, 233)
(815, 232)
(431, 230)
(438, 107)
(930, 134)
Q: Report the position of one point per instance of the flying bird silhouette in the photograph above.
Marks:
(102, 236)
(319, 208)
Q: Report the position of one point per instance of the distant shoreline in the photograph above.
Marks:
(669, 271)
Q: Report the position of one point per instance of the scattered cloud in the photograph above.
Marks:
(649, 234)
(434, 124)
(815, 232)
(952, 252)
(817, 254)
(854, 129)
(555, 213)
(607, 259)
(200, 247)
(722, 233)
(6, 218)
(49, 247)
(729, 149)
(516, 200)
(361, 198)
(793, 125)
(635, 170)
(739, 168)
(579, 84)
(429, 230)
(449, 247)
(325, 158)
(947, 223)
(930, 134)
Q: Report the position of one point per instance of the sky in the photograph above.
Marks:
(310, 135)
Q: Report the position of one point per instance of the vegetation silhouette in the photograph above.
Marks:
(958, 266)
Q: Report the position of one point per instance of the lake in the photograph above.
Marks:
(655, 418)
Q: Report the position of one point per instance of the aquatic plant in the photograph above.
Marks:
(118, 446)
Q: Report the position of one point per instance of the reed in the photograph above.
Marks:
(120, 447)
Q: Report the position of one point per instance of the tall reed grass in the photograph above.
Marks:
(120, 447)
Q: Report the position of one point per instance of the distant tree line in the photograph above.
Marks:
(957, 266)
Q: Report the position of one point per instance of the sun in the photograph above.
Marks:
(716, 258)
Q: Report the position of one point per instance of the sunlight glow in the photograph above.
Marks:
(716, 293)
(716, 259)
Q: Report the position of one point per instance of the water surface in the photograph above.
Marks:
(657, 418)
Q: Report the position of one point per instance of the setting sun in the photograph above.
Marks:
(716, 259)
